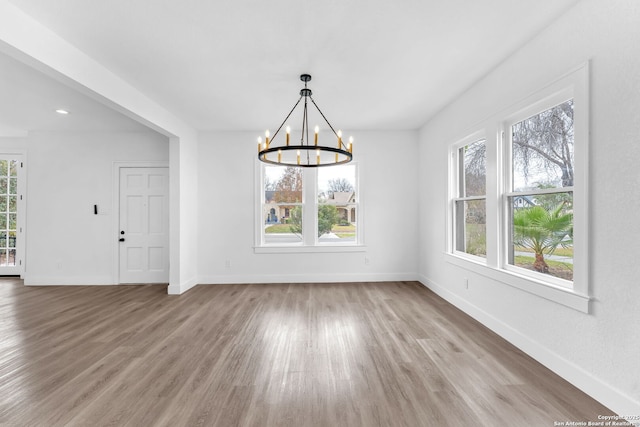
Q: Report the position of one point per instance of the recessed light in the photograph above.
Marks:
(61, 111)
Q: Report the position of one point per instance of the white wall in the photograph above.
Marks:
(596, 351)
(226, 215)
(67, 173)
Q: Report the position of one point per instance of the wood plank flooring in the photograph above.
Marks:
(353, 354)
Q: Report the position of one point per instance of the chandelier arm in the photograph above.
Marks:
(286, 118)
(325, 119)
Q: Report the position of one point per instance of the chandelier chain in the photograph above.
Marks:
(286, 118)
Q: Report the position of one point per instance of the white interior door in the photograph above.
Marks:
(144, 225)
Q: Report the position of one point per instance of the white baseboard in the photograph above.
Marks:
(180, 288)
(30, 280)
(604, 393)
(306, 278)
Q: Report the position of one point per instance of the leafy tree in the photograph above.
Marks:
(288, 189)
(542, 231)
(295, 220)
(550, 201)
(328, 216)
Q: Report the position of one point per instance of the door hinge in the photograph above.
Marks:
(21, 164)
(20, 262)
(21, 197)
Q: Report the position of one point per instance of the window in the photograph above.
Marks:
(8, 211)
(539, 198)
(469, 207)
(282, 205)
(337, 204)
(518, 194)
(309, 207)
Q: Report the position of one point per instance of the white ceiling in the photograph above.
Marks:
(29, 98)
(234, 64)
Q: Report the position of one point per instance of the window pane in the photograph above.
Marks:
(282, 184)
(288, 229)
(337, 197)
(337, 223)
(337, 183)
(542, 149)
(11, 259)
(471, 227)
(473, 179)
(542, 233)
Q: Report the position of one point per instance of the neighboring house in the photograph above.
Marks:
(277, 205)
(274, 211)
(345, 202)
(523, 202)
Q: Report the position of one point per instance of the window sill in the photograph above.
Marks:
(558, 294)
(298, 249)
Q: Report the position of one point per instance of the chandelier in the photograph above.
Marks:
(305, 153)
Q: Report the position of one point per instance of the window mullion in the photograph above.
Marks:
(492, 195)
(310, 206)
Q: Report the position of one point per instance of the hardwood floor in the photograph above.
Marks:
(354, 354)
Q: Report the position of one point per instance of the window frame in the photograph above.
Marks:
(457, 168)
(310, 242)
(507, 192)
(573, 85)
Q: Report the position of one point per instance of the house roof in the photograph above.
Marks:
(341, 197)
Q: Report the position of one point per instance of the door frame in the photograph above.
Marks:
(21, 243)
(116, 208)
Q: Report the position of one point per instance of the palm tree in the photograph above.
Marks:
(542, 231)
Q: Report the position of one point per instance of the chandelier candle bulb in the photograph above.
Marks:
(350, 147)
(279, 156)
(288, 134)
(298, 156)
(339, 139)
(259, 144)
(266, 139)
(318, 156)
(315, 137)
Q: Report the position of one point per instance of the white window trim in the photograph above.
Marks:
(454, 173)
(574, 84)
(310, 243)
